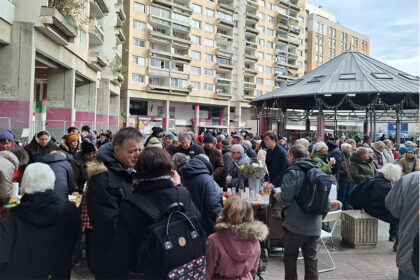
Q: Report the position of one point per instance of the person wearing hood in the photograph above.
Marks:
(40, 145)
(301, 230)
(233, 251)
(64, 176)
(39, 235)
(379, 158)
(8, 165)
(79, 165)
(7, 141)
(196, 176)
(70, 146)
(156, 134)
(361, 166)
(320, 155)
(215, 157)
(237, 178)
(409, 163)
(187, 147)
(226, 147)
(334, 152)
(110, 182)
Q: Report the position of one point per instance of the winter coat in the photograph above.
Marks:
(389, 156)
(64, 176)
(295, 219)
(338, 155)
(344, 173)
(251, 154)
(237, 175)
(233, 252)
(192, 151)
(133, 223)
(109, 184)
(23, 158)
(80, 171)
(261, 156)
(170, 149)
(196, 176)
(8, 165)
(403, 203)
(227, 162)
(65, 149)
(322, 160)
(38, 237)
(378, 160)
(101, 141)
(216, 160)
(407, 165)
(361, 169)
(149, 138)
(276, 162)
(42, 151)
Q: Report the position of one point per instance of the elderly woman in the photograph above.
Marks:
(344, 183)
(40, 145)
(409, 163)
(237, 178)
(353, 144)
(320, 155)
(379, 158)
(38, 236)
(361, 165)
(389, 155)
(7, 141)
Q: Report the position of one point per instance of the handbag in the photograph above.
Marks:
(195, 269)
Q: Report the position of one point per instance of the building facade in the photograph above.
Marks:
(326, 39)
(60, 64)
(194, 64)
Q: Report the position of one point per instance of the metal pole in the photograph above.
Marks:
(398, 127)
(371, 125)
(374, 125)
(335, 124)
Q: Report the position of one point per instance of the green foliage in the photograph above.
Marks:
(74, 10)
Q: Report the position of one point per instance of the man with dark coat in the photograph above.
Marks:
(276, 159)
(250, 138)
(110, 182)
(215, 157)
(227, 160)
(86, 155)
(37, 237)
(156, 133)
(64, 182)
(196, 176)
(334, 151)
(187, 147)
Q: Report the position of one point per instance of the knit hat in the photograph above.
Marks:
(378, 144)
(238, 136)
(319, 145)
(154, 142)
(208, 138)
(201, 138)
(402, 150)
(225, 144)
(88, 147)
(169, 135)
(71, 137)
(157, 129)
(411, 149)
(7, 135)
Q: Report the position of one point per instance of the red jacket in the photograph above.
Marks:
(234, 250)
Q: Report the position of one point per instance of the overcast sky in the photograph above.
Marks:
(393, 28)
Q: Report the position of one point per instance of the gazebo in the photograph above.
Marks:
(348, 83)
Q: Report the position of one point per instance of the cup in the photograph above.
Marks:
(229, 178)
(229, 191)
(15, 190)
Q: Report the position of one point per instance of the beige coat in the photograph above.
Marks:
(408, 164)
(8, 165)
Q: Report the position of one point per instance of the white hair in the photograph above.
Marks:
(346, 146)
(303, 142)
(38, 177)
(239, 147)
(204, 156)
(391, 172)
(318, 146)
(247, 143)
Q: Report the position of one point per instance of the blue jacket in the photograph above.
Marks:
(276, 162)
(196, 175)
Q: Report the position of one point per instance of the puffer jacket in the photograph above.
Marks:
(233, 252)
(80, 171)
(361, 169)
(8, 165)
(196, 176)
(322, 160)
(109, 185)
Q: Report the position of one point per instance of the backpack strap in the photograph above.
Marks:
(148, 208)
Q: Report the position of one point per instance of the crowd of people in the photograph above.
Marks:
(117, 175)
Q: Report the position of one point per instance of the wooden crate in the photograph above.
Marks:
(358, 229)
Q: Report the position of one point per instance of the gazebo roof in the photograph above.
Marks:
(349, 73)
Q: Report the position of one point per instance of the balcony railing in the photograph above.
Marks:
(250, 45)
(250, 85)
(227, 7)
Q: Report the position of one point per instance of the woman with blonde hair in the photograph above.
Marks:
(233, 251)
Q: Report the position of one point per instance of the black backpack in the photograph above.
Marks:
(358, 196)
(174, 239)
(313, 196)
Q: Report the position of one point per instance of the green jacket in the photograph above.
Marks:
(361, 169)
(322, 160)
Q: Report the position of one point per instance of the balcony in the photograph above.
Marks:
(223, 93)
(223, 82)
(97, 61)
(251, 57)
(227, 7)
(294, 41)
(287, 64)
(224, 65)
(248, 85)
(286, 53)
(249, 96)
(226, 22)
(250, 5)
(294, 29)
(120, 35)
(96, 34)
(252, 17)
(251, 71)
(176, 4)
(252, 30)
(56, 27)
(185, 40)
(98, 8)
(250, 45)
(121, 14)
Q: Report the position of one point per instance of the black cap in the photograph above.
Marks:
(86, 128)
(88, 147)
(157, 129)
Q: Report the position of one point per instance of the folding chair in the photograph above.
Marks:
(333, 216)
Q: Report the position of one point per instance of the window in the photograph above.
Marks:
(209, 43)
(196, 24)
(348, 76)
(209, 27)
(139, 43)
(301, 19)
(159, 63)
(259, 68)
(299, 64)
(196, 39)
(270, 45)
(259, 81)
(140, 8)
(321, 50)
(196, 55)
(181, 18)
(269, 83)
(316, 79)
(321, 39)
(382, 76)
(195, 85)
(261, 3)
(269, 57)
(270, 32)
(209, 57)
(209, 12)
(258, 93)
(261, 29)
(208, 87)
(224, 16)
(316, 38)
(139, 25)
(195, 70)
(139, 60)
(321, 59)
(300, 53)
(137, 78)
(155, 11)
(270, 19)
(208, 72)
(329, 42)
(260, 42)
(269, 70)
(333, 43)
(196, 8)
(81, 36)
(409, 77)
(178, 83)
(329, 52)
(271, 6)
(261, 16)
(260, 55)
(316, 59)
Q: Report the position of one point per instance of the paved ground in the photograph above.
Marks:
(374, 263)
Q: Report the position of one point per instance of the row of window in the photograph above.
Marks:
(270, 6)
(197, 40)
(207, 27)
(261, 29)
(268, 82)
(177, 83)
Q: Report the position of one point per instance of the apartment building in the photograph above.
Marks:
(194, 64)
(326, 39)
(60, 64)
